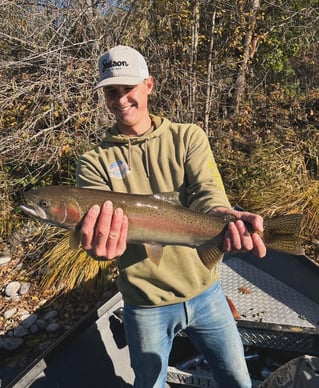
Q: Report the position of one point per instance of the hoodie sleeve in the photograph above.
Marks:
(205, 188)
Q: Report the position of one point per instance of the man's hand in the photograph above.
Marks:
(104, 234)
(237, 237)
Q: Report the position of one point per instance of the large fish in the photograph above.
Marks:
(156, 220)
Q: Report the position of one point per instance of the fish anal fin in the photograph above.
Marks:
(210, 256)
(154, 253)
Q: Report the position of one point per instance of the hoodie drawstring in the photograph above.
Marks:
(129, 162)
(146, 151)
(147, 142)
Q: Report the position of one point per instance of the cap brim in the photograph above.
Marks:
(119, 81)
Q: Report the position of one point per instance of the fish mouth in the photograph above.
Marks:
(34, 211)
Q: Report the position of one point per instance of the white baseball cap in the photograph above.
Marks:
(122, 65)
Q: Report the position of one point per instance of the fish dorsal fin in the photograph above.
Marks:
(171, 197)
(154, 253)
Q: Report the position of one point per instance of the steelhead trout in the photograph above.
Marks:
(155, 221)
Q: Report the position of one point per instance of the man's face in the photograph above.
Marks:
(129, 104)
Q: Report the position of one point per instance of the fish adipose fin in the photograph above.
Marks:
(154, 253)
(210, 256)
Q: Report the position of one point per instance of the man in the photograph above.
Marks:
(142, 154)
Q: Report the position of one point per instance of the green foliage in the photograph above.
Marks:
(286, 30)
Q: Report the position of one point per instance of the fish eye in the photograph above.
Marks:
(44, 203)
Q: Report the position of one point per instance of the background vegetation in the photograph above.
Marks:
(246, 70)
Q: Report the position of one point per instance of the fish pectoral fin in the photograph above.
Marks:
(210, 256)
(75, 238)
(154, 253)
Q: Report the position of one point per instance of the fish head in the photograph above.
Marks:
(52, 207)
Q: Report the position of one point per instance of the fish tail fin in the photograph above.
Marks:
(210, 256)
(282, 233)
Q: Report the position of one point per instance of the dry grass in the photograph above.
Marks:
(66, 269)
(271, 176)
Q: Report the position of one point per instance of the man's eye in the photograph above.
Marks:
(110, 92)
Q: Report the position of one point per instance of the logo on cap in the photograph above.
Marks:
(106, 65)
(122, 65)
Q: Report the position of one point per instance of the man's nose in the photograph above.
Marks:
(123, 97)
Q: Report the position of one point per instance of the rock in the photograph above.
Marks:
(24, 289)
(15, 298)
(12, 289)
(43, 346)
(50, 315)
(41, 323)
(20, 331)
(5, 260)
(52, 327)
(23, 312)
(10, 344)
(9, 313)
(28, 321)
(34, 329)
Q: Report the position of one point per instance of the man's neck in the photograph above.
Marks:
(136, 130)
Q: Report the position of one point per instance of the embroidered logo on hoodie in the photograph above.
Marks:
(119, 169)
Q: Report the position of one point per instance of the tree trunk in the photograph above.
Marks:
(194, 51)
(210, 86)
(240, 82)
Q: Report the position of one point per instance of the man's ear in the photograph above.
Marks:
(149, 84)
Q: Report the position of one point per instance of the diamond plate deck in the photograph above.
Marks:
(267, 300)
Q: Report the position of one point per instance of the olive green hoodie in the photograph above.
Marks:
(168, 157)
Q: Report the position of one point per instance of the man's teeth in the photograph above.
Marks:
(126, 108)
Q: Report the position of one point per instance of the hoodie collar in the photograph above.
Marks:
(113, 134)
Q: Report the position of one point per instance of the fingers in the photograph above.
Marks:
(103, 230)
(122, 241)
(259, 247)
(87, 227)
(115, 241)
(238, 238)
(104, 234)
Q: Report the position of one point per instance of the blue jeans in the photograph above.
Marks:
(209, 323)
